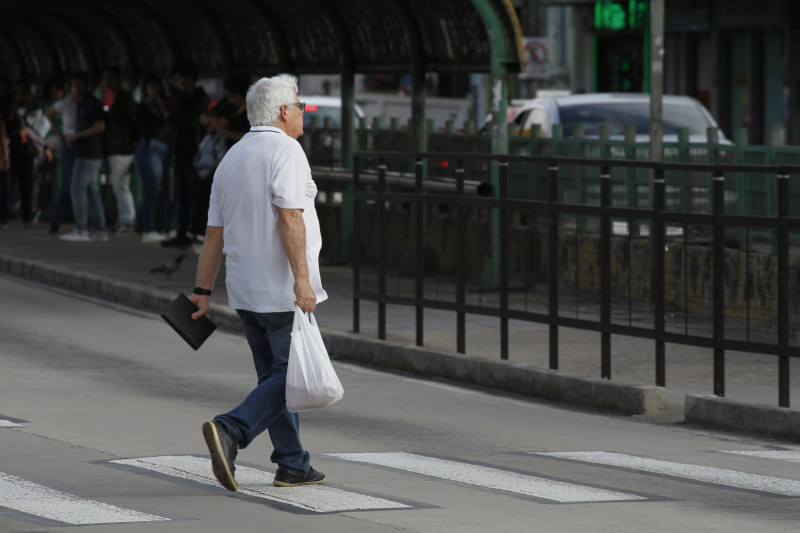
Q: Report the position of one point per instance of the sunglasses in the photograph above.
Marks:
(300, 105)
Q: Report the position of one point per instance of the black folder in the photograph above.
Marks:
(179, 316)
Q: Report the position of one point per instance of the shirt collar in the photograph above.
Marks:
(267, 128)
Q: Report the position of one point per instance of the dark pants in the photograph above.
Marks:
(22, 171)
(193, 197)
(63, 200)
(21, 174)
(269, 336)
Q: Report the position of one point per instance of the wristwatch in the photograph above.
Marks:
(201, 291)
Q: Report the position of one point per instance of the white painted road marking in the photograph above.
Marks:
(792, 456)
(9, 424)
(38, 500)
(257, 483)
(706, 474)
(487, 477)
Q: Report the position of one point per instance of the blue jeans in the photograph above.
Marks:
(85, 194)
(269, 336)
(152, 162)
(119, 169)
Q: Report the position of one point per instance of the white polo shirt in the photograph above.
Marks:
(265, 170)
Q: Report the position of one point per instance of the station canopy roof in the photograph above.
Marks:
(43, 38)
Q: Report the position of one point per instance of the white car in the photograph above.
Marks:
(617, 110)
(326, 106)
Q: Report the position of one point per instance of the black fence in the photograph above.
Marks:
(529, 251)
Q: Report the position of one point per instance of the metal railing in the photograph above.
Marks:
(322, 144)
(713, 279)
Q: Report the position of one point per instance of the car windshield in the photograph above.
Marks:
(618, 115)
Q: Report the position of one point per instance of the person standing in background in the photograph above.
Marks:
(185, 105)
(46, 170)
(87, 146)
(62, 116)
(22, 151)
(152, 154)
(237, 125)
(119, 143)
(50, 171)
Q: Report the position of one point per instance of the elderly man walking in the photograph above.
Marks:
(262, 217)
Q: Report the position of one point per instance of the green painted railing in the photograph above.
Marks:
(630, 187)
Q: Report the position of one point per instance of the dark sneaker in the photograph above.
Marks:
(288, 477)
(223, 452)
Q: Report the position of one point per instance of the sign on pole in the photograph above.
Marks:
(537, 58)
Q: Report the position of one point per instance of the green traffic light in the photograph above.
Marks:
(618, 15)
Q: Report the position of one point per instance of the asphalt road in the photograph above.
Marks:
(100, 415)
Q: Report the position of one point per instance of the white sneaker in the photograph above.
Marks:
(76, 236)
(100, 236)
(119, 229)
(171, 234)
(153, 236)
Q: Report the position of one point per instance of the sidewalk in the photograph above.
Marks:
(124, 264)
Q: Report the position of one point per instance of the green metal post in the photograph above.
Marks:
(343, 245)
(418, 68)
(501, 59)
(344, 249)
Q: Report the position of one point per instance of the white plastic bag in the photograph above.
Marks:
(310, 378)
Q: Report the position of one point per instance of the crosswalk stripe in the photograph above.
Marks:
(38, 500)
(707, 474)
(257, 483)
(488, 477)
(791, 456)
(9, 424)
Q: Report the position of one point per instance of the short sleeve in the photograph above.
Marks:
(291, 174)
(214, 212)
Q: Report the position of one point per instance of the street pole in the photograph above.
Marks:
(531, 27)
(656, 78)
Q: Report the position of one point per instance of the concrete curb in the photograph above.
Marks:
(707, 411)
(513, 377)
(118, 291)
(720, 413)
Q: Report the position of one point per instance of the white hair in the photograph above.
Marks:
(266, 96)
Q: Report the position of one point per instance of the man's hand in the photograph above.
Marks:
(306, 299)
(207, 268)
(203, 303)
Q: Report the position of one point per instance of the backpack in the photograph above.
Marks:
(209, 154)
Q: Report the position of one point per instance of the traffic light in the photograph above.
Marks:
(616, 15)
